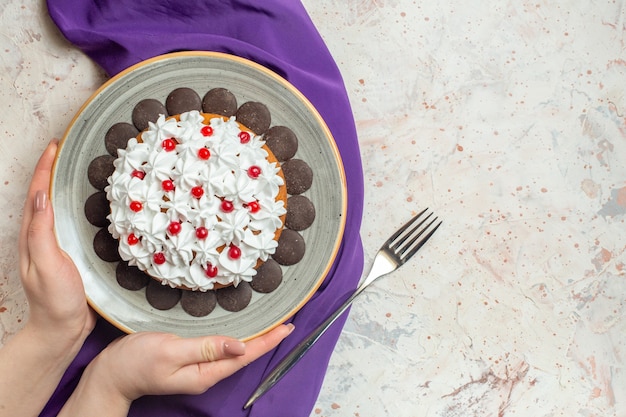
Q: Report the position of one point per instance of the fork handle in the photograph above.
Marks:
(301, 349)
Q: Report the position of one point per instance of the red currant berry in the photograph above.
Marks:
(168, 185)
(132, 239)
(254, 206)
(138, 174)
(174, 228)
(254, 171)
(168, 144)
(244, 137)
(227, 206)
(211, 271)
(234, 252)
(136, 206)
(197, 191)
(204, 153)
(206, 131)
(202, 232)
(159, 258)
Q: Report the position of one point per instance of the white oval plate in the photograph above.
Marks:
(156, 78)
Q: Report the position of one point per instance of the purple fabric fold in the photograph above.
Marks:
(279, 35)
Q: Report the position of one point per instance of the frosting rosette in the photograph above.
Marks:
(196, 200)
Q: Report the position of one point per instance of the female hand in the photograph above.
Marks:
(158, 363)
(58, 308)
(34, 360)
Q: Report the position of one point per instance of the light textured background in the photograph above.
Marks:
(505, 117)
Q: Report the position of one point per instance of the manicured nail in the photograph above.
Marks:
(290, 326)
(41, 200)
(234, 348)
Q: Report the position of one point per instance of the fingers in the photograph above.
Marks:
(37, 196)
(162, 363)
(259, 346)
(42, 243)
(215, 348)
(254, 349)
(196, 376)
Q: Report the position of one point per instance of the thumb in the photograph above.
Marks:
(212, 348)
(40, 181)
(41, 239)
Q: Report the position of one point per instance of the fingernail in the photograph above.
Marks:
(234, 348)
(41, 200)
(290, 326)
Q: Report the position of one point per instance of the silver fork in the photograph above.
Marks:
(394, 253)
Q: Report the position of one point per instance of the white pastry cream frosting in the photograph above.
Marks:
(194, 201)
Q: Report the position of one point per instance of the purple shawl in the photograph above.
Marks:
(279, 35)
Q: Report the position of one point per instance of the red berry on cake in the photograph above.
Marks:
(211, 271)
(254, 206)
(169, 144)
(204, 153)
(159, 258)
(138, 174)
(244, 137)
(254, 171)
(132, 239)
(168, 185)
(136, 206)
(206, 131)
(202, 232)
(197, 191)
(227, 206)
(234, 252)
(174, 228)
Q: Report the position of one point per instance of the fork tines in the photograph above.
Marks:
(413, 233)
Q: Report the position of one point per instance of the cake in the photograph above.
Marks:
(283, 216)
(197, 201)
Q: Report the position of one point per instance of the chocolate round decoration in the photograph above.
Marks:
(298, 176)
(130, 277)
(117, 137)
(220, 101)
(182, 100)
(282, 142)
(198, 303)
(97, 209)
(233, 298)
(255, 116)
(105, 246)
(291, 248)
(147, 110)
(99, 169)
(268, 277)
(162, 297)
(300, 213)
